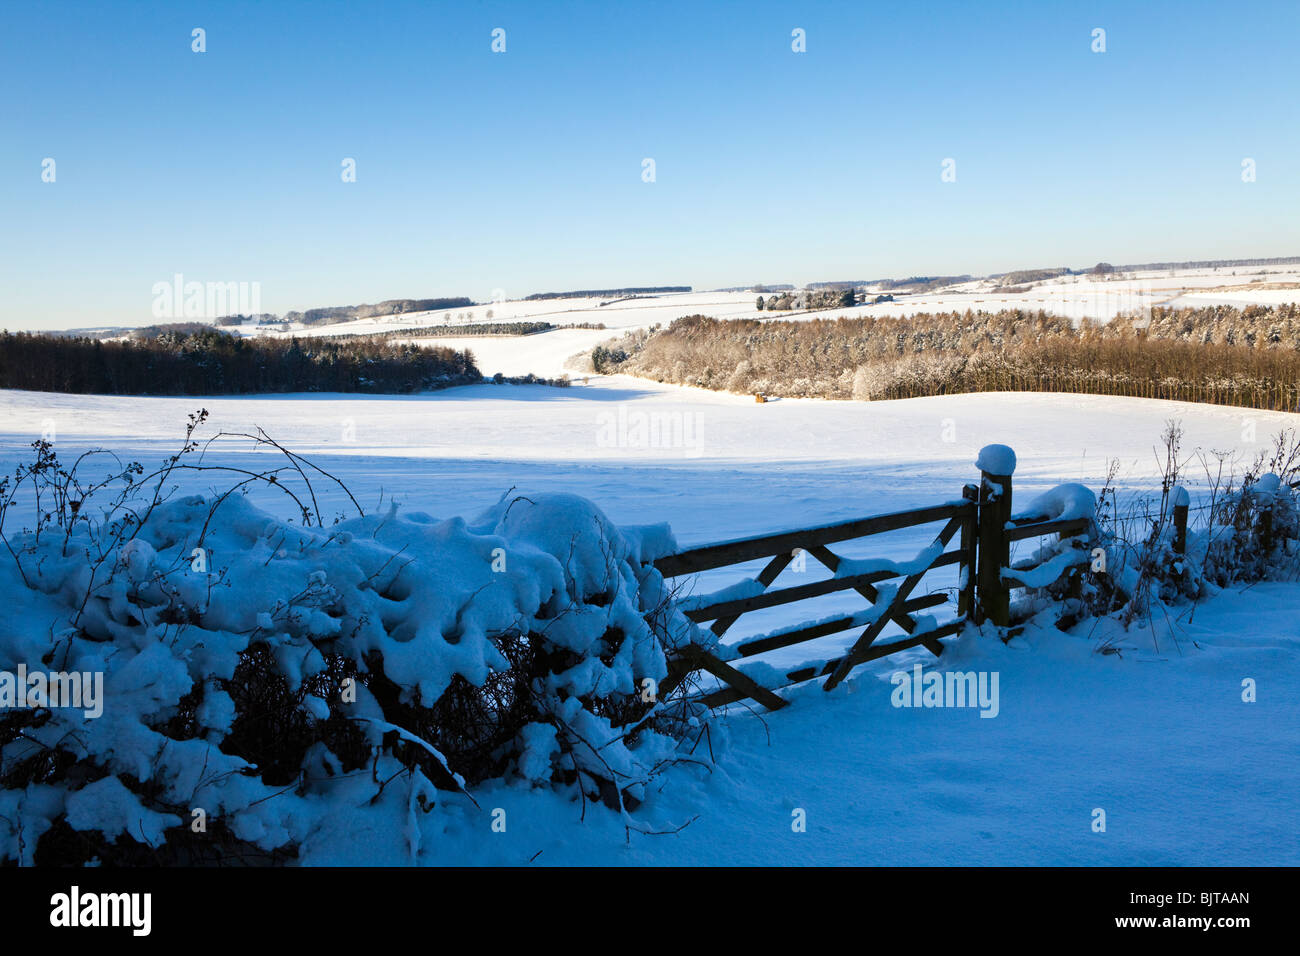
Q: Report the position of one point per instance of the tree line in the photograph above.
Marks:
(212, 362)
(1218, 354)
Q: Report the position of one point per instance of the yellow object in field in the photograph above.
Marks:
(759, 398)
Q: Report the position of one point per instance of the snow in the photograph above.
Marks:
(1050, 570)
(853, 567)
(1157, 735)
(109, 807)
(1063, 503)
(747, 588)
(1267, 487)
(996, 460)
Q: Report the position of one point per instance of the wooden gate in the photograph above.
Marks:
(984, 527)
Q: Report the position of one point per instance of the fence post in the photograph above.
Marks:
(997, 463)
(1266, 490)
(966, 569)
(1182, 500)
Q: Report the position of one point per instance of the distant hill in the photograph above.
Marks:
(348, 313)
(608, 293)
(1210, 264)
(843, 284)
(920, 283)
(1024, 276)
(92, 332)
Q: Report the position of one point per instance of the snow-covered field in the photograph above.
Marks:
(726, 465)
(1157, 738)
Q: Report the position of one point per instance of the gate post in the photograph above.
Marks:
(1182, 503)
(1265, 493)
(967, 567)
(997, 463)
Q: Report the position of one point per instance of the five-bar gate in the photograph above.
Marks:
(981, 524)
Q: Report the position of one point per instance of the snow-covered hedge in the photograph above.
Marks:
(1228, 545)
(256, 672)
(1129, 564)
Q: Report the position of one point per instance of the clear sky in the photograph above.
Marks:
(522, 170)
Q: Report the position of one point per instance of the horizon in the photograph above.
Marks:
(523, 171)
(176, 291)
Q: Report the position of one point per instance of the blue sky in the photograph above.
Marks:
(521, 171)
